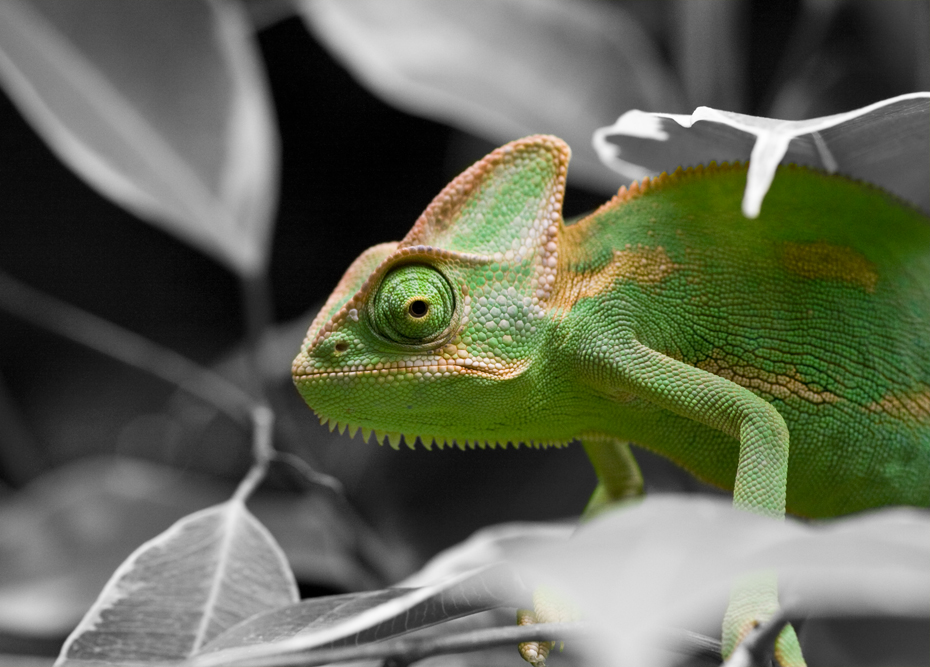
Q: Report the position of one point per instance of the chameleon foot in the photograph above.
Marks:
(534, 653)
(753, 601)
(547, 608)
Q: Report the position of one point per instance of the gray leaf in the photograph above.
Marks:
(178, 591)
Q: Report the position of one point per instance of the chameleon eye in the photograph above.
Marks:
(414, 304)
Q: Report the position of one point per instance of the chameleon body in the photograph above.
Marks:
(786, 358)
(664, 318)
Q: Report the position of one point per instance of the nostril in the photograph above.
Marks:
(341, 346)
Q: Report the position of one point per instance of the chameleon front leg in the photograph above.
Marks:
(618, 474)
(762, 469)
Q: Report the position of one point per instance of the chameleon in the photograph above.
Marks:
(785, 358)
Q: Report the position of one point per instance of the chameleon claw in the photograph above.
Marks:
(534, 653)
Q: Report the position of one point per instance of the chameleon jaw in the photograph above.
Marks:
(394, 437)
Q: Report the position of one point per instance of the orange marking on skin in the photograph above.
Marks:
(643, 265)
(824, 261)
(911, 406)
(781, 386)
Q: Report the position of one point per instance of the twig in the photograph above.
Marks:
(311, 474)
(693, 644)
(20, 456)
(256, 311)
(74, 324)
(262, 452)
(406, 650)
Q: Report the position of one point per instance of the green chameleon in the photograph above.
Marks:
(664, 318)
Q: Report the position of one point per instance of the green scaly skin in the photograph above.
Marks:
(664, 318)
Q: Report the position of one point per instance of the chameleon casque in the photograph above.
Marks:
(786, 358)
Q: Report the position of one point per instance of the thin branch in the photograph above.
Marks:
(263, 451)
(311, 474)
(21, 456)
(405, 650)
(693, 645)
(72, 323)
(256, 301)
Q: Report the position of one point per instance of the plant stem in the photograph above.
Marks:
(262, 451)
(72, 323)
(257, 315)
(405, 650)
(21, 457)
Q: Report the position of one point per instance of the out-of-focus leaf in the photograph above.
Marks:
(502, 69)
(161, 106)
(360, 618)
(886, 143)
(670, 561)
(63, 535)
(488, 545)
(706, 47)
(182, 589)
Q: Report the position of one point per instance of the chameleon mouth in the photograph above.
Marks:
(371, 372)
(419, 370)
(393, 438)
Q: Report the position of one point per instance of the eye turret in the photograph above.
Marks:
(414, 305)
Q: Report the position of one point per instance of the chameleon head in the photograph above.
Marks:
(433, 337)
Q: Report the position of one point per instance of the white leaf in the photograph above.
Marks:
(178, 591)
(670, 561)
(162, 107)
(886, 143)
(502, 69)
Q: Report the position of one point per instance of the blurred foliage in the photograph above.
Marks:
(198, 117)
(886, 143)
(670, 562)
